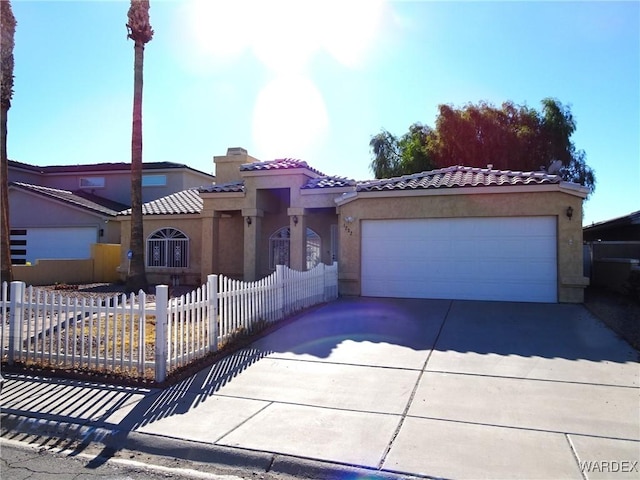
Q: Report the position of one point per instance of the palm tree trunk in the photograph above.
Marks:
(7, 34)
(6, 272)
(137, 278)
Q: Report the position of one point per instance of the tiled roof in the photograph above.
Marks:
(281, 164)
(79, 199)
(458, 176)
(223, 187)
(186, 201)
(329, 182)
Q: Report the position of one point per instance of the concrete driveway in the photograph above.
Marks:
(439, 388)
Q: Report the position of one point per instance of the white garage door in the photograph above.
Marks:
(509, 259)
(71, 242)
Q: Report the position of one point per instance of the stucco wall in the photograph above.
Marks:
(190, 226)
(50, 272)
(571, 281)
(230, 252)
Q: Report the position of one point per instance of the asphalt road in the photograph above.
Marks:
(24, 460)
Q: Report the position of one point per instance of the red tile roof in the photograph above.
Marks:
(329, 182)
(184, 202)
(223, 187)
(280, 164)
(458, 176)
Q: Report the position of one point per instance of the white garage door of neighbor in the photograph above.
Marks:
(508, 259)
(69, 242)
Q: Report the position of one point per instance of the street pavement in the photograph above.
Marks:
(365, 387)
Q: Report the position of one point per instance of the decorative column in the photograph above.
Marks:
(209, 248)
(298, 238)
(252, 242)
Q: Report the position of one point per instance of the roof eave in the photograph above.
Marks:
(60, 201)
(575, 189)
(281, 171)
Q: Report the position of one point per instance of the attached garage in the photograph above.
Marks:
(464, 233)
(509, 259)
(59, 242)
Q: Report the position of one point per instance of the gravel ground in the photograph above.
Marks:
(618, 312)
(107, 290)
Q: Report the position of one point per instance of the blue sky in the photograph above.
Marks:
(315, 80)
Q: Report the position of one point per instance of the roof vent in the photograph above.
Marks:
(236, 151)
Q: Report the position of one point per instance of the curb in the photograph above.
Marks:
(110, 441)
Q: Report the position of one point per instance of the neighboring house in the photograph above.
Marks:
(458, 232)
(59, 211)
(48, 223)
(612, 251)
(626, 228)
(111, 180)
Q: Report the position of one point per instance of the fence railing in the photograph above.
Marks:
(131, 336)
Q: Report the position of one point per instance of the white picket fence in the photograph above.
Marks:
(110, 334)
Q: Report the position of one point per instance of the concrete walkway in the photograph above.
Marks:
(434, 388)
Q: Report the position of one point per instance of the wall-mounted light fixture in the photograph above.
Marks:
(569, 212)
(248, 221)
(348, 219)
(295, 220)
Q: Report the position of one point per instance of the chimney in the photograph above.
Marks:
(228, 166)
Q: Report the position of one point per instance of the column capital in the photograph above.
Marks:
(291, 211)
(252, 212)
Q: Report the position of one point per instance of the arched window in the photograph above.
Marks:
(313, 249)
(280, 243)
(168, 247)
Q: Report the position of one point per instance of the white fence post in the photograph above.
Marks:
(280, 297)
(212, 311)
(162, 298)
(15, 319)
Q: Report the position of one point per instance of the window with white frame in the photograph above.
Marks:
(168, 247)
(280, 244)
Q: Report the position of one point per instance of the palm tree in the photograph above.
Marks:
(7, 32)
(140, 31)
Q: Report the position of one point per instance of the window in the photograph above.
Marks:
(279, 245)
(313, 249)
(168, 247)
(92, 182)
(154, 180)
(279, 248)
(334, 243)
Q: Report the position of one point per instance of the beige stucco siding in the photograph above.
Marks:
(543, 203)
(190, 226)
(230, 251)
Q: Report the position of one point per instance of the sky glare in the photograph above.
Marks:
(315, 80)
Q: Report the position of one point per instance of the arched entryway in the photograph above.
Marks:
(280, 247)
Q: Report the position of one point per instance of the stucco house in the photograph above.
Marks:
(458, 232)
(58, 211)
